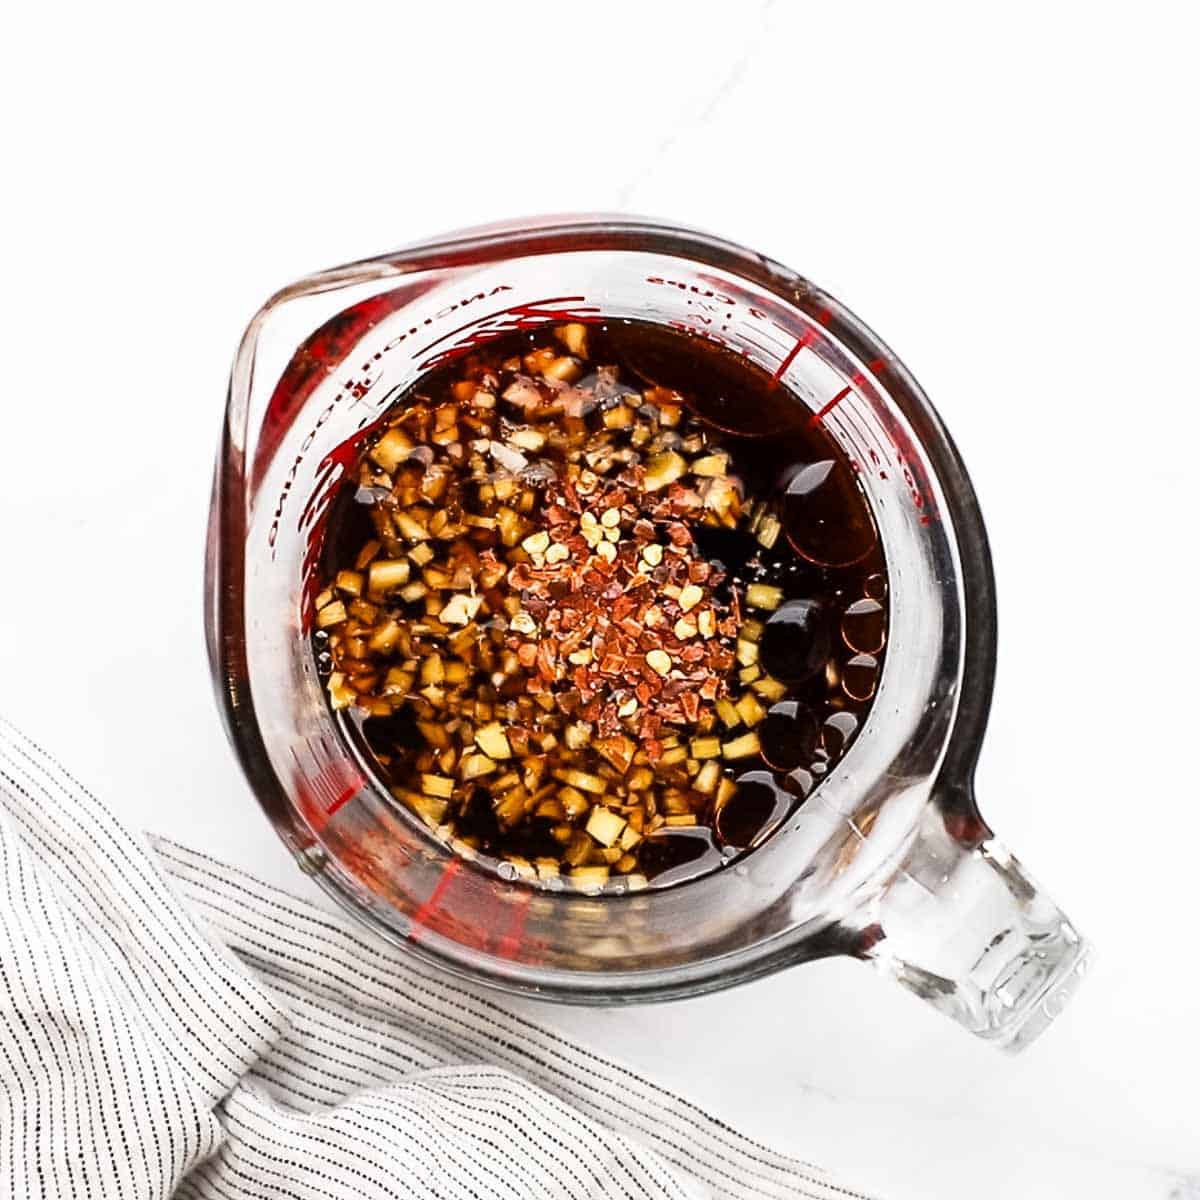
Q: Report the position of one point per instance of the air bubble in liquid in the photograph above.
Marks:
(837, 732)
(863, 626)
(788, 735)
(757, 807)
(825, 515)
(859, 676)
(795, 644)
(799, 782)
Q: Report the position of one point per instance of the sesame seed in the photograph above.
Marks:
(659, 661)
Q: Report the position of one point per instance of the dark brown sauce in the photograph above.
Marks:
(825, 641)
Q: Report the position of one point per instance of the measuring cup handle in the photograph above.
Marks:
(963, 926)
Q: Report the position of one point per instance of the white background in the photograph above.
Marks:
(1010, 201)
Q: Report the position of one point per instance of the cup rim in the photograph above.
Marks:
(952, 786)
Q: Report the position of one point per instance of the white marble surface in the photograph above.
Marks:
(1008, 201)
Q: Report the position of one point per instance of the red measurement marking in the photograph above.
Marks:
(803, 340)
(824, 412)
(325, 789)
(346, 795)
(449, 871)
(856, 380)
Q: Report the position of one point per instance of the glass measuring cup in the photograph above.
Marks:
(887, 861)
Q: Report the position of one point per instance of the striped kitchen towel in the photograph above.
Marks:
(170, 1026)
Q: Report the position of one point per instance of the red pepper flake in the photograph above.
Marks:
(547, 653)
(623, 607)
(721, 660)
